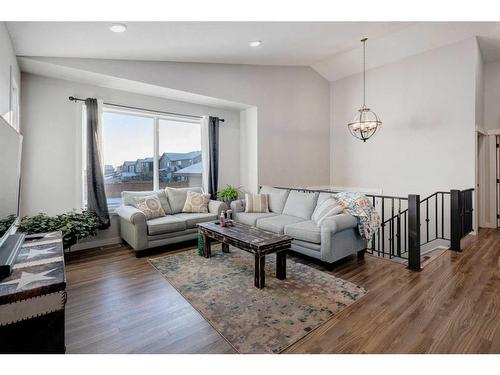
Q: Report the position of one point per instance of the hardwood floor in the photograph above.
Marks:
(120, 304)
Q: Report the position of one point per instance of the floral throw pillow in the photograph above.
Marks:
(196, 202)
(150, 205)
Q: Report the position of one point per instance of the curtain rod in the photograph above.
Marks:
(73, 99)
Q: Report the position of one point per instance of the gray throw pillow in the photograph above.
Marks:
(300, 204)
(276, 198)
(327, 208)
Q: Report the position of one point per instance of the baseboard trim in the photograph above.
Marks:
(487, 224)
(96, 243)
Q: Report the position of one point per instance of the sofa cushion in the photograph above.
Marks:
(275, 197)
(128, 198)
(177, 197)
(305, 231)
(300, 204)
(165, 224)
(250, 218)
(277, 223)
(329, 207)
(192, 219)
(323, 197)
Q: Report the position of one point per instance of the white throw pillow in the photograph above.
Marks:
(256, 203)
(327, 208)
(196, 202)
(150, 205)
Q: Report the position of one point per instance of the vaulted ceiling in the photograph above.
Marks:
(332, 48)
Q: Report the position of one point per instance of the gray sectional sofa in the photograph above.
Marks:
(176, 226)
(290, 213)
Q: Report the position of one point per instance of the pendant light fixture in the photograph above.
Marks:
(366, 122)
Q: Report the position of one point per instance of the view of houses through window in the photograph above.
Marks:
(179, 146)
(128, 145)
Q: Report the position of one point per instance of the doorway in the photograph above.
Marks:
(487, 194)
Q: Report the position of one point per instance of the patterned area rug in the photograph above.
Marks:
(252, 320)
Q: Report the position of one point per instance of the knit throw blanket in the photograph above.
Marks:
(360, 206)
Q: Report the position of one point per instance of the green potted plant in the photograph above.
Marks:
(73, 225)
(229, 194)
(5, 223)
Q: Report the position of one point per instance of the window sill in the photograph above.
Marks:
(111, 210)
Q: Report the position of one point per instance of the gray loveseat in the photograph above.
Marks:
(290, 213)
(175, 227)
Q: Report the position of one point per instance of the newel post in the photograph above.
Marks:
(414, 232)
(455, 219)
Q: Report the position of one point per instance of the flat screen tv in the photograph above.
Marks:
(10, 181)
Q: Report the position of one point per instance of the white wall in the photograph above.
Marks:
(492, 95)
(293, 108)
(427, 140)
(8, 63)
(51, 176)
(249, 163)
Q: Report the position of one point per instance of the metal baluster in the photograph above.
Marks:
(427, 218)
(436, 214)
(383, 227)
(442, 215)
(398, 230)
(376, 234)
(405, 236)
(391, 238)
(392, 228)
(378, 242)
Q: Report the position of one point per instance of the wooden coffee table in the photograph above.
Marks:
(256, 241)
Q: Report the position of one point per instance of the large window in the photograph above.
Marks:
(146, 152)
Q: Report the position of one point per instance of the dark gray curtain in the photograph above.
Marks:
(96, 197)
(213, 154)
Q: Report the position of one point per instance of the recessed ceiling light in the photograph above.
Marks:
(118, 28)
(255, 43)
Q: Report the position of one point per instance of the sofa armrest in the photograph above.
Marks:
(216, 207)
(238, 205)
(131, 214)
(338, 239)
(338, 223)
(133, 227)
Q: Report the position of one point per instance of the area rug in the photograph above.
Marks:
(256, 320)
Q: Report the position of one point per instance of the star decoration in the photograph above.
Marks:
(28, 278)
(34, 253)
